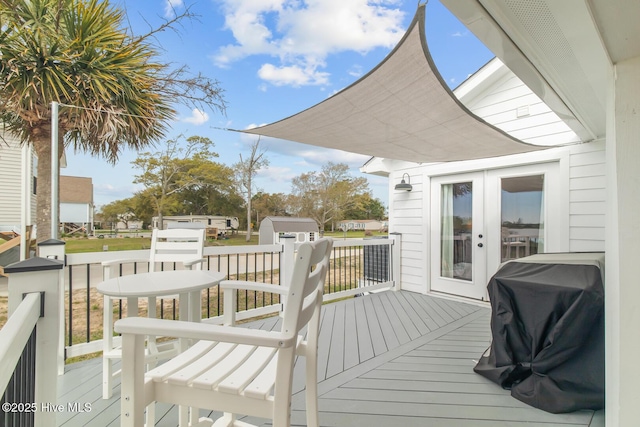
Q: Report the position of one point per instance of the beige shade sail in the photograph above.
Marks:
(400, 110)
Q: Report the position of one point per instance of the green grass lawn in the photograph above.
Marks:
(77, 245)
(126, 243)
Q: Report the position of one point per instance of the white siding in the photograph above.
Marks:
(587, 198)
(10, 183)
(512, 107)
(408, 216)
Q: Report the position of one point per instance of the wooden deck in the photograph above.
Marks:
(390, 358)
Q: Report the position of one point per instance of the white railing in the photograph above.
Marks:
(357, 266)
(30, 356)
(17, 351)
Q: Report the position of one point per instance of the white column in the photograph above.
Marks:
(25, 198)
(622, 293)
(55, 168)
(55, 249)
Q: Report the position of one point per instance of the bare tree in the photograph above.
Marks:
(246, 170)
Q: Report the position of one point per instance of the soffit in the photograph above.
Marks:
(554, 47)
(617, 21)
(401, 110)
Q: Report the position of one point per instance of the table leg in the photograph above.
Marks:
(195, 301)
(132, 306)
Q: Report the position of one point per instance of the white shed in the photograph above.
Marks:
(272, 227)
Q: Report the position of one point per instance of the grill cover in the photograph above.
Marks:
(547, 328)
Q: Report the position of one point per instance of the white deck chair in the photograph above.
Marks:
(182, 246)
(237, 371)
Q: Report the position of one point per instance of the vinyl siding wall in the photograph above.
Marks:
(512, 107)
(10, 184)
(587, 198)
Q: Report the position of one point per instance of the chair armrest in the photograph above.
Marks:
(203, 331)
(190, 263)
(106, 265)
(109, 263)
(230, 301)
(246, 285)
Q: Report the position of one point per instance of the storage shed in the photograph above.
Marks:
(272, 227)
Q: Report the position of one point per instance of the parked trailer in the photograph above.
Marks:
(217, 226)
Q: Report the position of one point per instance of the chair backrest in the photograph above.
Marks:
(176, 245)
(307, 284)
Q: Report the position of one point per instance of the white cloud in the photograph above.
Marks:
(198, 117)
(302, 34)
(355, 71)
(277, 174)
(170, 7)
(292, 75)
(460, 34)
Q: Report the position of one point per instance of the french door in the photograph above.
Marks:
(458, 242)
(481, 219)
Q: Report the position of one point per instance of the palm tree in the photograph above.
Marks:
(112, 89)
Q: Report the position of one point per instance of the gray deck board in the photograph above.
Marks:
(375, 330)
(351, 356)
(389, 334)
(365, 346)
(394, 321)
(389, 358)
(335, 363)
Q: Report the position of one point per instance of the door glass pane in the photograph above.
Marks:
(522, 216)
(455, 236)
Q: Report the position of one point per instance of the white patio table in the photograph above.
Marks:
(186, 283)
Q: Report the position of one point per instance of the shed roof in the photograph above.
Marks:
(401, 110)
(290, 224)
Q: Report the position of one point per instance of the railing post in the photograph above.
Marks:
(394, 259)
(55, 249)
(286, 264)
(41, 275)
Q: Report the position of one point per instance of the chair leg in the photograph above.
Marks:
(107, 346)
(132, 388)
(183, 416)
(107, 378)
(311, 392)
(151, 414)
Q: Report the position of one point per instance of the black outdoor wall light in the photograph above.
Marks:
(406, 186)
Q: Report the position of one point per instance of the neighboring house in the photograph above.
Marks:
(129, 225)
(76, 204)
(272, 228)
(543, 201)
(362, 225)
(17, 176)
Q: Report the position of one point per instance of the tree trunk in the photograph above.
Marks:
(42, 146)
(249, 218)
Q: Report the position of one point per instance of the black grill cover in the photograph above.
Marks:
(547, 328)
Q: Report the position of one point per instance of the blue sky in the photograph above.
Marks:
(274, 58)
